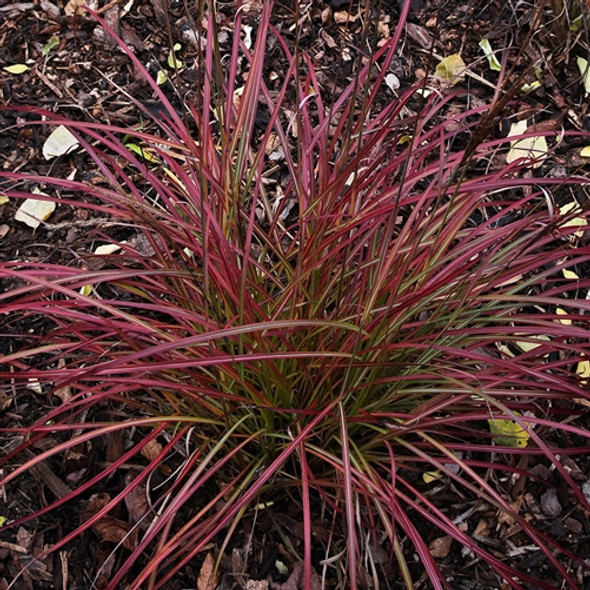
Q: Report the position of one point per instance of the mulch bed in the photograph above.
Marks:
(81, 76)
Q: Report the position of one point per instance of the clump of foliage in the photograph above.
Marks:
(328, 339)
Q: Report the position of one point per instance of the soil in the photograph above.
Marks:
(82, 75)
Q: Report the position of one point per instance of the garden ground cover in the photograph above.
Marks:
(82, 78)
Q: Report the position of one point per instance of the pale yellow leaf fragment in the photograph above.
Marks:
(585, 151)
(161, 77)
(74, 6)
(509, 432)
(583, 369)
(530, 148)
(3, 200)
(16, 69)
(107, 249)
(532, 343)
(60, 142)
(451, 69)
(485, 46)
(580, 222)
(565, 320)
(34, 385)
(33, 211)
(585, 71)
(570, 274)
(430, 476)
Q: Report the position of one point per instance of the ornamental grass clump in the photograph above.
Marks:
(336, 310)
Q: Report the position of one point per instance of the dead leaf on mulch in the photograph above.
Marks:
(208, 577)
(109, 528)
(296, 580)
(441, 547)
(151, 450)
(136, 502)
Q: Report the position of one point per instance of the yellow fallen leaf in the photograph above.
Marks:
(585, 71)
(174, 63)
(577, 23)
(580, 222)
(145, 154)
(568, 274)
(529, 148)
(532, 86)
(451, 69)
(534, 342)
(16, 69)
(33, 211)
(509, 433)
(430, 476)
(585, 152)
(503, 348)
(583, 369)
(493, 62)
(161, 77)
(3, 199)
(565, 321)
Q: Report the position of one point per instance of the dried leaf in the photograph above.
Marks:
(109, 528)
(580, 222)
(73, 6)
(16, 69)
(63, 393)
(136, 500)
(151, 450)
(509, 433)
(585, 71)
(259, 585)
(114, 530)
(565, 321)
(33, 211)
(430, 476)
(106, 249)
(60, 142)
(441, 547)
(529, 148)
(208, 576)
(451, 69)
(343, 17)
(34, 385)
